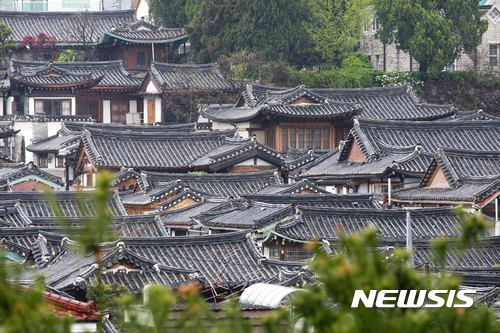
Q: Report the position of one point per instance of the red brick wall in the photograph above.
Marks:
(29, 185)
(356, 155)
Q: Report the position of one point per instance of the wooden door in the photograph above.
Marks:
(151, 111)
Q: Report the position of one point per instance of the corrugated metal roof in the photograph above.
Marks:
(267, 294)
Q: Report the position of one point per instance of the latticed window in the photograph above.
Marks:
(53, 107)
(293, 253)
(494, 13)
(309, 138)
(494, 55)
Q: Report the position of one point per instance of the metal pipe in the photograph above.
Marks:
(497, 226)
(389, 184)
(409, 242)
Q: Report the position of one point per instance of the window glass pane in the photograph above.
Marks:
(38, 106)
(301, 138)
(309, 140)
(56, 108)
(493, 50)
(141, 59)
(81, 107)
(317, 139)
(47, 107)
(326, 138)
(293, 142)
(115, 107)
(94, 109)
(66, 108)
(150, 58)
(284, 139)
(103, 57)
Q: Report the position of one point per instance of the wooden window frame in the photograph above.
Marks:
(148, 54)
(87, 113)
(122, 117)
(305, 142)
(60, 100)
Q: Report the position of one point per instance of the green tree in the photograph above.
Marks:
(94, 231)
(24, 309)
(336, 25)
(112, 293)
(8, 45)
(273, 28)
(69, 55)
(168, 13)
(435, 33)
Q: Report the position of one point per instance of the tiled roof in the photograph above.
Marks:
(295, 188)
(143, 32)
(182, 216)
(329, 223)
(28, 240)
(103, 74)
(139, 226)
(229, 259)
(37, 205)
(70, 126)
(67, 140)
(471, 176)
(392, 103)
(244, 214)
(10, 172)
(216, 184)
(475, 135)
(61, 24)
(324, 200)
(172, 77)
(149, 150)
(279, 102)
(12, 215)
(484, 254)
(69, 270)
(61, 143)
(406, 147)
(234, 151)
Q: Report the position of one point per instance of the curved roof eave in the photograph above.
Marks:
(107, 35)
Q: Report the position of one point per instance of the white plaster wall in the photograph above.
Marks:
(142, 10)
(158, 110)
(260, 135)
(26, 130)
(250, 161)
(133, 106)
(9, 104)
(2, 100)
(106, 111)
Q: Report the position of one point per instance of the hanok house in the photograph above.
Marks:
(243, 215)
(56, 153)
(287, 240)
(37, 208)
(104, 36)
(391, 103)
(99, 89)
(457, 177)
(169, 191)
(377, 152)
(170, 89)
(27, 177)
(283, 118)
(168, 151)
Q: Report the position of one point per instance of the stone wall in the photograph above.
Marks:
(466, 96)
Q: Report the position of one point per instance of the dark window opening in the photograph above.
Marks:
(144, 59)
